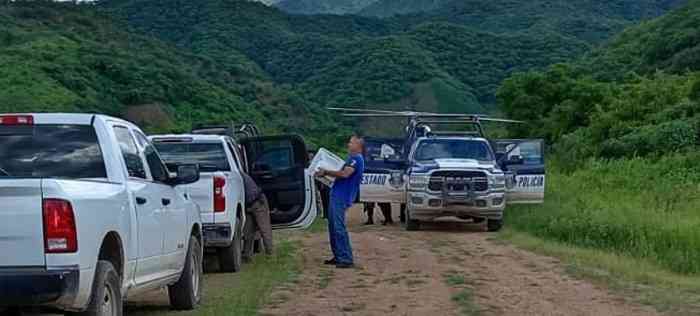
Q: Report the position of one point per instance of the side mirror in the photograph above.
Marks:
(186, 174)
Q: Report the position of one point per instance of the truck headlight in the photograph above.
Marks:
(418, 182)
(497, 181)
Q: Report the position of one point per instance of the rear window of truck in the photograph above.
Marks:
(50, 151)
(210, 157)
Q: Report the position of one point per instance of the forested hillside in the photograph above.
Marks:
(62, 57)
(173, 62)
(624, 125)
(637, 95)
(323, 6)
(449, 59)
(388, 8)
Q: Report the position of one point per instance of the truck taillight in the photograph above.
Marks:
(219, 195)
(16, 120)
(60, 235)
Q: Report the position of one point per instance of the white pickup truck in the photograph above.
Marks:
(276, 163)
(89, 216)
(219, 191)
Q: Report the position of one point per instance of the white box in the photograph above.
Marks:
(325, 159)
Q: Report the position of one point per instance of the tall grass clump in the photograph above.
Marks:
(639, 207)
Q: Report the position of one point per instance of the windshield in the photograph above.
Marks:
(50, 151)
(210, 157)
(453, 148)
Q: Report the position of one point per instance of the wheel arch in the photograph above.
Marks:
(112, 250)
(197, 233)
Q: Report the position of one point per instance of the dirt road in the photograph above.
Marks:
(444, 269)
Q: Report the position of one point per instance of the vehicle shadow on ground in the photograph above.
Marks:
(156, 302)
(452, 227)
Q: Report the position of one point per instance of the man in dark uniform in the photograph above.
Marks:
(343, 194)
(386, 212)
(257, 219)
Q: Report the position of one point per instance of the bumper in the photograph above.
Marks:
(425, 206)
(38, 286)
(217, 235)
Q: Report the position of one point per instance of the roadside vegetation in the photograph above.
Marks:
(238, 293)
(623, 176)
(641, 208)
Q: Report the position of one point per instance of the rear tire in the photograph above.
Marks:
(411, 224)
(231, 257)
(106, 299)
(494, 225)
(187, 292)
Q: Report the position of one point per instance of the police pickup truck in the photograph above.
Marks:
(90, 216)
(464, 177)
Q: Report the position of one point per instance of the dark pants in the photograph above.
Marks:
(338, 233)
(386, 212)
(257, 219)
(325, 192)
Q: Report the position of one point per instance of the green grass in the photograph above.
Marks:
(239, 293)
(455, 279)
(320, 225)
(640, 208)
(465, 300)
(631, 224)
(638, 280)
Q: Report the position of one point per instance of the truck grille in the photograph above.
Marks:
(459, 181)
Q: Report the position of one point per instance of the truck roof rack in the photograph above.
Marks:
(455, 134)
(418, 124)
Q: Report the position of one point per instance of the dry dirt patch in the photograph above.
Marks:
(446, 269)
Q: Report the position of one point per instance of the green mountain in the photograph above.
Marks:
(445, 59)
(587, 20)
(637, 95)
(388, 8)
(168, 63)
(323, 6)
(63, 57)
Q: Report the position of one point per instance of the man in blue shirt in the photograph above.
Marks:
(343, 194)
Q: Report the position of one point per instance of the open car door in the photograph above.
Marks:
(278, 166)
(384, 178)
(523, 162)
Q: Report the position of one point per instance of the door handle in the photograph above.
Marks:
(166, 202)
(141, 201)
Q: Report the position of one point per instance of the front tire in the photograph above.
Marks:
(411, 224)
(106, 297)
(187, 292)
(494, 225)
(231, 257)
